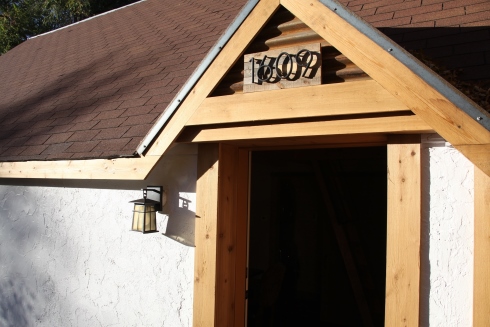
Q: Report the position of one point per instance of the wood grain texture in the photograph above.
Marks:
(226, 242)
(479, 154)
(405, 124)
(120, 169)
(242, 213)
(481, 282)
(313, 75)
(322, 100)
(403, 233)
(206, 235)
(436, 110)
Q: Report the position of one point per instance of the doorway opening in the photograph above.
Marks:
(317, 237)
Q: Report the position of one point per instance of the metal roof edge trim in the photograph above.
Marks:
(196, 75)
(85, 20)
(408, 60)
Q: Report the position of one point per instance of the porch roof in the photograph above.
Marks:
(94, 90)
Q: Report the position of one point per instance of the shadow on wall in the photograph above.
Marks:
(19, 301)
(181, 228)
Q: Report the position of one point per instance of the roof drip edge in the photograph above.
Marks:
(408, 60)
(196, 75)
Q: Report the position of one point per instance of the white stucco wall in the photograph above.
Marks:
(447, 236)
(68, 257)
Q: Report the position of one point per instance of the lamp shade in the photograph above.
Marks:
(145, 210)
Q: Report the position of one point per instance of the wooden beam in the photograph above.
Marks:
(322, 100)
(435, 109)
(221, 239)
(481, 282)
(232, 236)
(227, 233)
(216, 71)
(121, 169)
(403, 232)
(479, 154)
(397, 124)
(206, 235)
(242, 213)
(312, 142)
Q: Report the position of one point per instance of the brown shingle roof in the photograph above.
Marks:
(454, 32)
(94, 89)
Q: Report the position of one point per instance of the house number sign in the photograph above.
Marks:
(281, 69)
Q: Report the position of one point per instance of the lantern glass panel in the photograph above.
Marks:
(144, 215)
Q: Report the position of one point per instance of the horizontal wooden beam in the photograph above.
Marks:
(437, 110)
(397, 124)
(313, 101)
(121, 168)
(313, 142)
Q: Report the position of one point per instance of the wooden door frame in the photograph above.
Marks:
(221, 226)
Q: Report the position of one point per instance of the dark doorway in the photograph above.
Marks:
(317, 241)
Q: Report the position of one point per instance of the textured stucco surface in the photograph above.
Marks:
(447, 236)
(68, 257)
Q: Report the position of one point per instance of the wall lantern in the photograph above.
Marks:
(145, 209)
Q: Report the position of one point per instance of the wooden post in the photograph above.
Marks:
(403, 231)
(205, 236)
(481, 283)
(221, 225)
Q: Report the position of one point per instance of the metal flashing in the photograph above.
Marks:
(434, 80)
(196, 75)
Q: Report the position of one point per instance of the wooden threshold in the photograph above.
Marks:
(396, 124)
(323, 100)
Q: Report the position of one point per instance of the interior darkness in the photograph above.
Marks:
(317, 224)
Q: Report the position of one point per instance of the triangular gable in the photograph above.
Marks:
(409, 81)
(446, 110)
(441, 106)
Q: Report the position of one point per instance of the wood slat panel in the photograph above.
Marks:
(397, 124)
(481, 282)
(322, 100)
(403, 232)
(445, 117)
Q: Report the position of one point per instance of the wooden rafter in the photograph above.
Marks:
(220, 66)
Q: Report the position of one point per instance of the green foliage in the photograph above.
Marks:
(22, 19)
